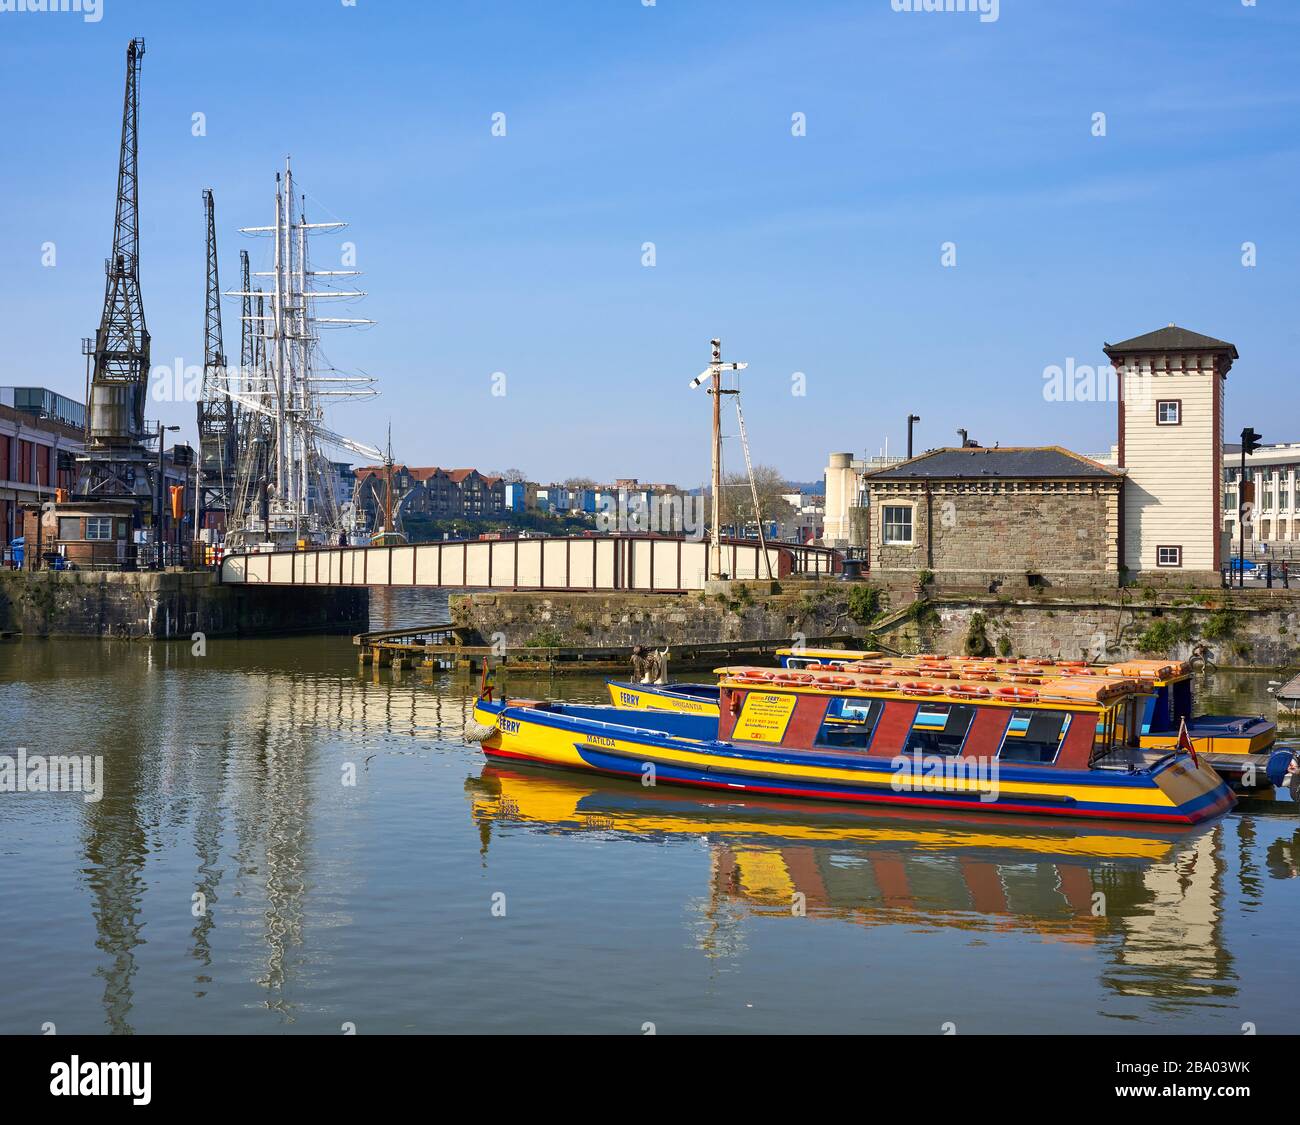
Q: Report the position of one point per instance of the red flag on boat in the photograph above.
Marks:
(1185, 741)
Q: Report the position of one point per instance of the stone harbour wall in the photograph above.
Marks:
(737, 611)
(169, 605)
(1254, 631)
(1259, 629)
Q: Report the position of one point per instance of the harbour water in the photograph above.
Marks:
(437, 894)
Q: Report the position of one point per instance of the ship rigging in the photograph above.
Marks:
(282, 491)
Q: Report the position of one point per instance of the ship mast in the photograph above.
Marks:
(289, 393)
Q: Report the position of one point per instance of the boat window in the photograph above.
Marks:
(849, 724)
(1180, 702)
(1104, 740)
(939, 728)
(1034, 737)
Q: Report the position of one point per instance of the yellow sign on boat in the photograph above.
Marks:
(764, 717)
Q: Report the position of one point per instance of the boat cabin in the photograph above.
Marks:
(1069, 722)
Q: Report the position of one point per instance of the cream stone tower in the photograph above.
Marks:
(1171, 385)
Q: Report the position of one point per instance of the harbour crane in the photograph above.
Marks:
(216, 411)
(115, 462)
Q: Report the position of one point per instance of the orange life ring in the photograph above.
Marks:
(870, 682)
(1026, 694)
(920, 687)
(793, 677)
(968, 691)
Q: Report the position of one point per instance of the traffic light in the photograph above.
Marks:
(1250, 440)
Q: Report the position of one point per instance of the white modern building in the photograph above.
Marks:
(1272, 521)
(844, 520)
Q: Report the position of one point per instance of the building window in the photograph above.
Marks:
(1169, 412)
(897, 522)
(99, 527)
(69, 527)
(1169, 556)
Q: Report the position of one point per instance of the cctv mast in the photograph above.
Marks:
(713, 373)
(293, 499)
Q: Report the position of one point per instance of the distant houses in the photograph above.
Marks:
(433, 493)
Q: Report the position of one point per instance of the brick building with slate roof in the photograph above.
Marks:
(1046, 516)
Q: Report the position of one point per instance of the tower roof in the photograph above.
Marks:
(1171, 339)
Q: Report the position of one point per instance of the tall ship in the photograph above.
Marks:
(283, 494)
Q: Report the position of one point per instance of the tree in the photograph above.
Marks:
(738, 501)
(510, 476)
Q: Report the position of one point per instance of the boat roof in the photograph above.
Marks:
(832, 653)
(1154, 672)
(1040, 687)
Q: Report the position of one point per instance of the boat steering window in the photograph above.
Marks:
(940, 728)
(849, 724)
(1034, 737)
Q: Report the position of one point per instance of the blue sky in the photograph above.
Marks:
(671, 124)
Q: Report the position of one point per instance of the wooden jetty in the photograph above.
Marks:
(444, 645)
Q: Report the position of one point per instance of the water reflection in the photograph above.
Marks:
(1150, 899)
(229, 880)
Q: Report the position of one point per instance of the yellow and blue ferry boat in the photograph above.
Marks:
(1064, 746)
(1237, 745)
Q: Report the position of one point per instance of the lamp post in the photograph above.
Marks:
(912, 419)
(158, 496)
(1249, 443)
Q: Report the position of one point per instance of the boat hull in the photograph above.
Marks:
(1182, 790)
